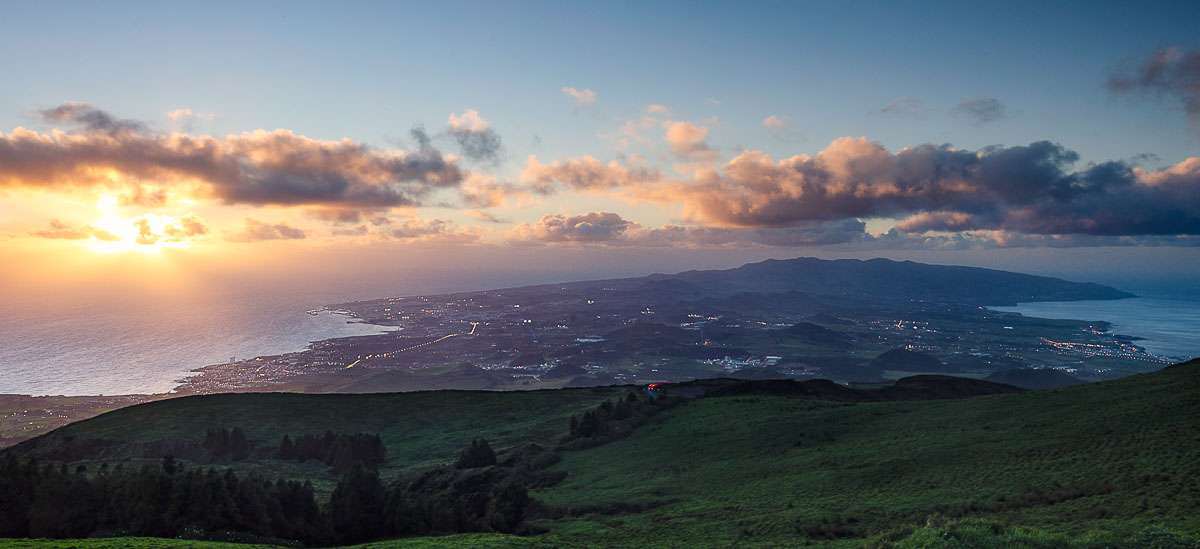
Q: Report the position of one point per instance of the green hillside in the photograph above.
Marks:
(1100, 465)
(1109, 458)
(419, 428)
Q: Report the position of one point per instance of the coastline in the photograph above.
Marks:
(1157, 324)
(24, 416)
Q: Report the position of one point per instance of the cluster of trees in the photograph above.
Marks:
(166, 501)
(340, 451)
(444, 500)
(227, 444)
(478, 454)
(172, 500)
(612, 418)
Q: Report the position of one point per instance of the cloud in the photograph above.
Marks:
(186, 227)
(254, 231)
(349, 216)
(358, 230)
(584, 173)
(686, 139)
(90, 118)
(610, 229)
(1171, 72)
(897, 239)
(485, 191)
(774, 122)
(475, 137)
(1030, 189)
(63, 231)
(981, 110)
(436, 230)
(261, 167)
(486, 217)
(590, 227)
(819, 233)
(180, 115)
(904, 106)
(658, 109)
(1027, 189)
(145, 196)
(583, 98)
(147, 229)
(689, 143)
(186, 118)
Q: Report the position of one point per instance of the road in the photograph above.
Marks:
(391, 354)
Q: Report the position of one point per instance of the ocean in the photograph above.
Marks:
(148, 346)
(1167, 320)
(117, 337)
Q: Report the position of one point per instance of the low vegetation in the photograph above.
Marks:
(757, 464)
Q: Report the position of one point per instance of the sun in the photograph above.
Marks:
(146, 233)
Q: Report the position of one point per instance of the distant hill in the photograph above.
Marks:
(907, 361)
(1035, 378)
(815, 334)
(903, 280)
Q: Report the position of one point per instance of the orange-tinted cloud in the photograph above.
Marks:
(254, 230)
(262, 167)
(1028, 189)
(584, 173)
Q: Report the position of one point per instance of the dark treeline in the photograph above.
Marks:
(340, 451)
(481, 491)
(612, 419)
(166, 501)
(227, 444)
(171, 500)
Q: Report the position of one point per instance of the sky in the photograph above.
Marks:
(573, 139)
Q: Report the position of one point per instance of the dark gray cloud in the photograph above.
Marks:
(896, 239)
(1027, 189)
(90, 118)
(482, 145)
(258, 168)
(611, 229)
(981, 110)
(904, 106)
(254, 230)
(816, 233)
(475, 136)
(1171, 72)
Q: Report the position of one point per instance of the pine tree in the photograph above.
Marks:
(287, 450)
(478, 454)
(356, 506)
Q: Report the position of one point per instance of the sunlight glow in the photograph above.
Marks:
(147, 233)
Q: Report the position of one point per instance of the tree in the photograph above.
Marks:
(356, 506)
(286, 449)
(239, 447)
(506, 507)
(478, 454)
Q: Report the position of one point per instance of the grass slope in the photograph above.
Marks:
(1100, 465)
(1105, 460)
(121, 543)
(419, 429)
